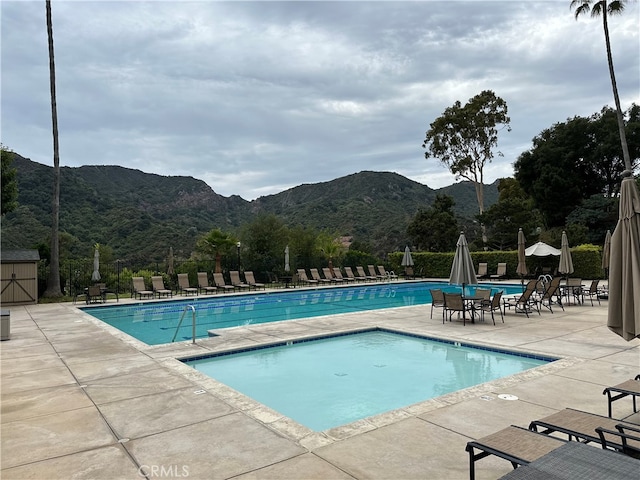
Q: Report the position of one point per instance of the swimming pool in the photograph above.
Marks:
(340, 379)
(156, 323)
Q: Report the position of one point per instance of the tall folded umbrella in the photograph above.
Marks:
(95, 276)
(566, 263)
(522, 260)
(407, 259)
(287, 268)
(462, 270)
(606, 251)
(624, 265)
(170, 269)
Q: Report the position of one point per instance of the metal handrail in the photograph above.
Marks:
(193, 323)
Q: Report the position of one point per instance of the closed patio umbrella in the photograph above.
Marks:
(407, 259)
(522, 260)
(462, 270)
(287, 268)
(606, 251)
(170, 269)
(624, 264)
(566, 263)
(95, 276)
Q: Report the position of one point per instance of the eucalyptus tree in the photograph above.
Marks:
(604, 9)
(53, 283)
(435, 229)
(463, 137)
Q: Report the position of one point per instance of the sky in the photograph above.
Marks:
(255, 98)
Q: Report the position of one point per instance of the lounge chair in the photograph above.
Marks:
(234, 275)
(453, 302)
(387, 274)
(492, 305)
(361, 273)
(593, 292)
(316, 276)
(250, 279)
(515, 444)
(629, 442)
(218, 279)
(203, 284)
(501, 272)
(303, 279)
(140, 289)
(374, 273)
(525, 302)
(158, 287)
(578, 425)
(183, 285)
(482, 271)
(437, 301)
(552, 290)
(349, 272)
(326, 271)
(624, 389)
(337, 273)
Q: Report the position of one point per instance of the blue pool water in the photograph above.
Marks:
(155, 323)
(334, 381)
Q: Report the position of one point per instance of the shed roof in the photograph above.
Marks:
(19, 256)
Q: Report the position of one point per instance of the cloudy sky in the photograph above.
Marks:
(257, 97)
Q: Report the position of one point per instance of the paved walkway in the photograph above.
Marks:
(81, 400)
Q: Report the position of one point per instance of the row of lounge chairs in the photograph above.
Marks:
(523, 446)
(335, 275)
(483, 271)
(159, 290)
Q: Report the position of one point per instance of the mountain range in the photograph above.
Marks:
(140, 215)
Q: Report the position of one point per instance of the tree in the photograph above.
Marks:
(463, 138)
(53, 283)
(216, 243)
(601, 7)
(330, 247)
(265, 238)
(9, 181)
(435, 229)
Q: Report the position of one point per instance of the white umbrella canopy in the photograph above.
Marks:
(287, 268)
(407, 259)
(566, 263)
(606, 251)
(624, 265)
(522, 261)
(462, 270)
(541, 249)
(95, 276)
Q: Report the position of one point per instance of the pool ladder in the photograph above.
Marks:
(193, 323)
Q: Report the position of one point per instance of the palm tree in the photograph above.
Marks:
(604, 8)
(215, 243)
(53, 283)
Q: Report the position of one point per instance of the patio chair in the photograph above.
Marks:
(387, 274)
(349, 273)
(326, 271)
(593, 292)
(624, 389)
(315, 275)
(437, 301)
(523, 303)
(482, 271)
(303, 279)
(453, 302)
(552, 290)
(337, 273)
(140, 289)
(491, 306)
(250, 280)
(94, 294)
(573, 288)
(515, 444)
(183, 285)
(501, 272)
(629, 439)
(158, 287)
(374, 273)
(203, 284)
(234, 275)
(361, 273)
(578, 425)
(218, 279)
(483, 295)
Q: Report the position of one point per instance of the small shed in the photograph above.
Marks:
(19, 277)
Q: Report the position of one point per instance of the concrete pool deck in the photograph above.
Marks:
(81, 400)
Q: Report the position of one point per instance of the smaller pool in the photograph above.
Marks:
(156, 323)
(337, 380)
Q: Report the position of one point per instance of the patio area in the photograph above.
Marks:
(82, 400)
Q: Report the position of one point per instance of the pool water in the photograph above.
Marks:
(334, 381)
(156, 323)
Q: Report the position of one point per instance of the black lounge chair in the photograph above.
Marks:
(501, 272)
(236, 282)
(203, 284)
(482, 271)
(250, 279)
(139, 288)
(525, 302)
(218, 279)
(159, 288)
(183, 285)
(624, 389)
